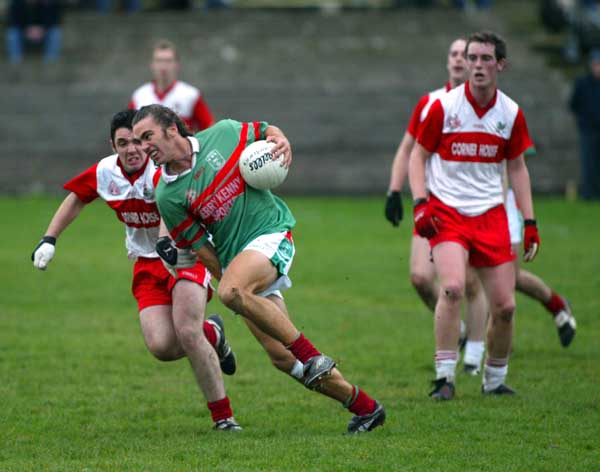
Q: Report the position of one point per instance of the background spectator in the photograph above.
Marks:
(130, 6)
(584, 103)
(33, 22)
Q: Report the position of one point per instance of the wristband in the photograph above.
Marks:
(530, 222)
(418, 201)
(49, 240)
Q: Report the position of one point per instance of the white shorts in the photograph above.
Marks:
(279, 249)
(515, 219)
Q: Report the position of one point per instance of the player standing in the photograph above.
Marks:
(422, 270)
(171, 311)
(465, 138)
(184, 99)
(202, 193)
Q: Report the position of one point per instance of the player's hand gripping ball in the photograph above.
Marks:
(258, 167)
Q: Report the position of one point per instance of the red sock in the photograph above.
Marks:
(363, 405)
(220, 410)
(555, 304)
(303, 349)
(210, 332)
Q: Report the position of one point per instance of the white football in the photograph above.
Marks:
(258, 168)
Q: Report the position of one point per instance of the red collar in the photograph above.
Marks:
(137, 174)
(479, 110)
(163, 94)
(448, 86)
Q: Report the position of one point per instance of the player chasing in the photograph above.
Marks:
(171, 310)
(422, 269)
(243, 236)
(463, 143)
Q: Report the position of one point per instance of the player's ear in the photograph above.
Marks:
(112, 145)
(501, 65)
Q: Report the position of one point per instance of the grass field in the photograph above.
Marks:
(80, 392)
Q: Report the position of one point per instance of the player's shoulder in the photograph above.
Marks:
(506, 101)
(108, 164)
(185, 88)
(143, 89)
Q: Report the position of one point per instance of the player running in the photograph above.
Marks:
(171, 311)
(202, 199)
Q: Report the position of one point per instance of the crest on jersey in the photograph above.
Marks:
(113, 188)
(190, 195)
(147, 192)
(215, 159)
(453, 121)
(500, 126)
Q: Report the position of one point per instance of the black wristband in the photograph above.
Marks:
(49, 240)
(418, 201)
(530, 222)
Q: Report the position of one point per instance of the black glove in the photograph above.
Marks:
(393, 208)
(165, 248)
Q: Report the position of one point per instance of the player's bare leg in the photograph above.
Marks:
(422, 271)
(189, 299)
(450, 260)
(476, 321)
(499, 283)
(159, 333)
(534, 287)
(251, 273)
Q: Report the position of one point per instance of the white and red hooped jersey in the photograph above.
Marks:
(469, 143)
(184, 99)
(130, 196)
(422, 108)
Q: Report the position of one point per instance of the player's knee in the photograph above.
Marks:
(163, 349)
(453, 291)
(422, 282)
(190, 336)
(232, 297)
(505, 311)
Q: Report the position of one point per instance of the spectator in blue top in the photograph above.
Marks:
(585, 104)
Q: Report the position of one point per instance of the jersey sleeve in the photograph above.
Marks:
(186, 230)
(131, 104)
(430, 131)
(202, 115)
(85, 185)
(257, 129)
(519, 140)
(415, 119)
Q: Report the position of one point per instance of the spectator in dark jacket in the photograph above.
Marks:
(585, 104)
(33, 22)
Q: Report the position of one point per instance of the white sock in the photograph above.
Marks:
(494, 376)
(445, 364)
(297, 370)
(474, 353)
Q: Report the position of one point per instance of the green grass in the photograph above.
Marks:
(80, 392)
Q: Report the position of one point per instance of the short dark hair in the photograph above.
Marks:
(164, 116)
(122, 119)
(489, 37)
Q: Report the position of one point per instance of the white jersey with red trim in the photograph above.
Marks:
(131, 197)
(469, 144)
(181, 97)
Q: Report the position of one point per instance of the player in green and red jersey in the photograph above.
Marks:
(243, 236)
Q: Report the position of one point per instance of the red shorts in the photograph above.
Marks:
(152, 283)
(485, 237)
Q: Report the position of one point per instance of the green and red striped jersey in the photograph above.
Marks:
(212, 200)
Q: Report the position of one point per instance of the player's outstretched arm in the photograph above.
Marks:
(282, 146)
(68, 210)
(393, 206)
